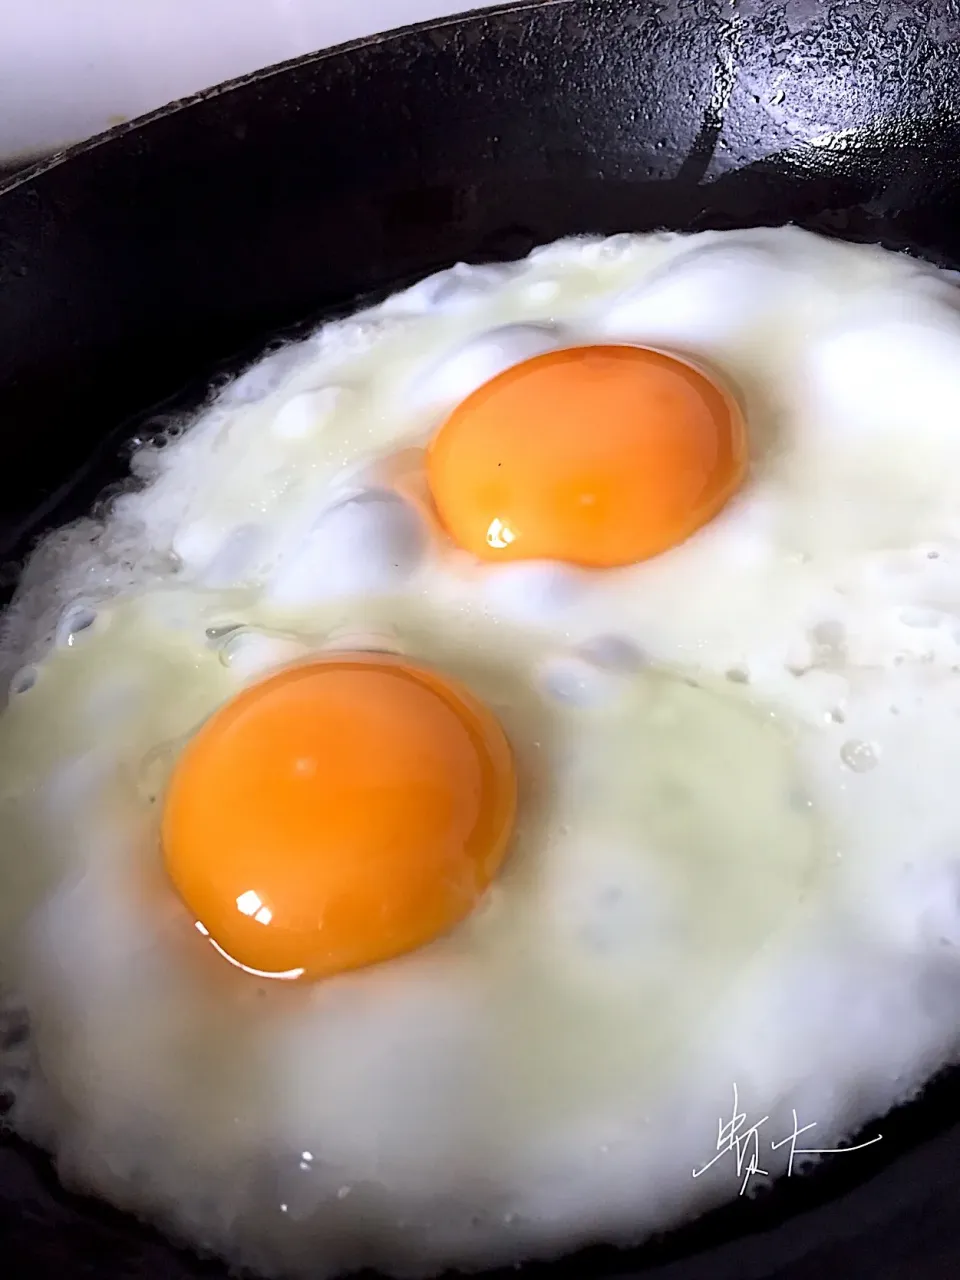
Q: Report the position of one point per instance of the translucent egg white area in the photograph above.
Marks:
(736, 860)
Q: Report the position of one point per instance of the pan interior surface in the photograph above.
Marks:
(136, 266)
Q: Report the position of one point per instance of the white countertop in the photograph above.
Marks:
(71, 68)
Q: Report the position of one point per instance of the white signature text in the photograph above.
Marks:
(741, 1141)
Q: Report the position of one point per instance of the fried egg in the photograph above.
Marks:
(496, 731)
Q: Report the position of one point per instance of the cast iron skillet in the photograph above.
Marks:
(133, 266)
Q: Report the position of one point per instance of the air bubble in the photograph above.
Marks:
(353, 638)
(217, 635)
(570, 682)
(481, 357)
(543, 291)
(613, 653)
(578, 681)
(76, 619)
(233, 561)
(305, 413)
(829, 643)
(921, 619)
(859, 756)
(530, 590)
(365, 544)
(251, 653)
(23, 681)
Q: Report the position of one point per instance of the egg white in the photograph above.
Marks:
(736, 861)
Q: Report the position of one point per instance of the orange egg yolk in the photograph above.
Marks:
(599, 456)
(338, 813)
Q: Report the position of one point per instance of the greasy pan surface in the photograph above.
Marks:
(134, 266)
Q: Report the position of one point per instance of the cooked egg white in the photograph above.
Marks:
(736, 859)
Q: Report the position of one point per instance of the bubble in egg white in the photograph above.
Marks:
(22, 681)
(614, 913)
(197, 544)
(303, 414)
(77, 619)
(368, 543)
(617, 247)
(235, 558)
(543, 291)
(859, 756)
(528, 590)
(922, 619)
(573, 678)
(613, 653)
(828, 643)
(263, 377)
(700, 299)
(455, 289)
(592, 674)
(460, 372)
(351, 637)
(252, 653)
(879, 376)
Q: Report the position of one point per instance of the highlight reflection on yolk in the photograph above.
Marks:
(598, 456)
(339, 813)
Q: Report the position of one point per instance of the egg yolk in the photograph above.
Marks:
(599, 456)
(341, 812)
